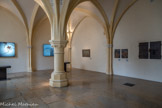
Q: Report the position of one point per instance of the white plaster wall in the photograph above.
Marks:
(42, 35)
(90, 35)
(142, 23)
(12, 30)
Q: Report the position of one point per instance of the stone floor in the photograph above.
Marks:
(86, 90)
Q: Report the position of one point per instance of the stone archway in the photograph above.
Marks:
(100, 19)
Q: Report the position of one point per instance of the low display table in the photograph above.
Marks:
(3, 72)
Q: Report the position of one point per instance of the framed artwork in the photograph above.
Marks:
(7, 49)
(143, 50)
(124, 53)
(155, 50)
(86, 53)
(117, 53)
(48, 50)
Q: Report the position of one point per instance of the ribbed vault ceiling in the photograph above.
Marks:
(26, 7)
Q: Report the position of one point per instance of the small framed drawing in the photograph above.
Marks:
(86, 53)
(124, 53)
(117, 53)
(48, 50)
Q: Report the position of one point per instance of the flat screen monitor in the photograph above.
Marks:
(48, 50)
(7, 49)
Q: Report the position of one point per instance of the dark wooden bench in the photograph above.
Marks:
(3, 72)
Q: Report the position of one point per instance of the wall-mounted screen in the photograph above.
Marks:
(155, 50)
(7, 49)
(143, 50)
(48, 50)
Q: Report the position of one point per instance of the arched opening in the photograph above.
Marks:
(94, 38)
(41, 36)
(12, 29)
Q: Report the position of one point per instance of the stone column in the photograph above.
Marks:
(29, 59)
(58, 77)
(110, 59)
(69, 54)
(70, 58)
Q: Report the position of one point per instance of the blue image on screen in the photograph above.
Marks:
(7, 49)
(48, 50)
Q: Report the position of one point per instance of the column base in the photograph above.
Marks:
(58, 80)
(58, 83)
(30, 70)
(109, 73)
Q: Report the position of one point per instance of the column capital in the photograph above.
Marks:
(60, 44)
(109, 45)
(29, 46)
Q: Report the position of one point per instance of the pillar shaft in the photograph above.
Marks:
(110, 59)
(59, 59)
(58, 77)
(69, 54)
(29, 59)
(70, 58)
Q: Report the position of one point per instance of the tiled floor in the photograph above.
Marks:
(86, 90)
